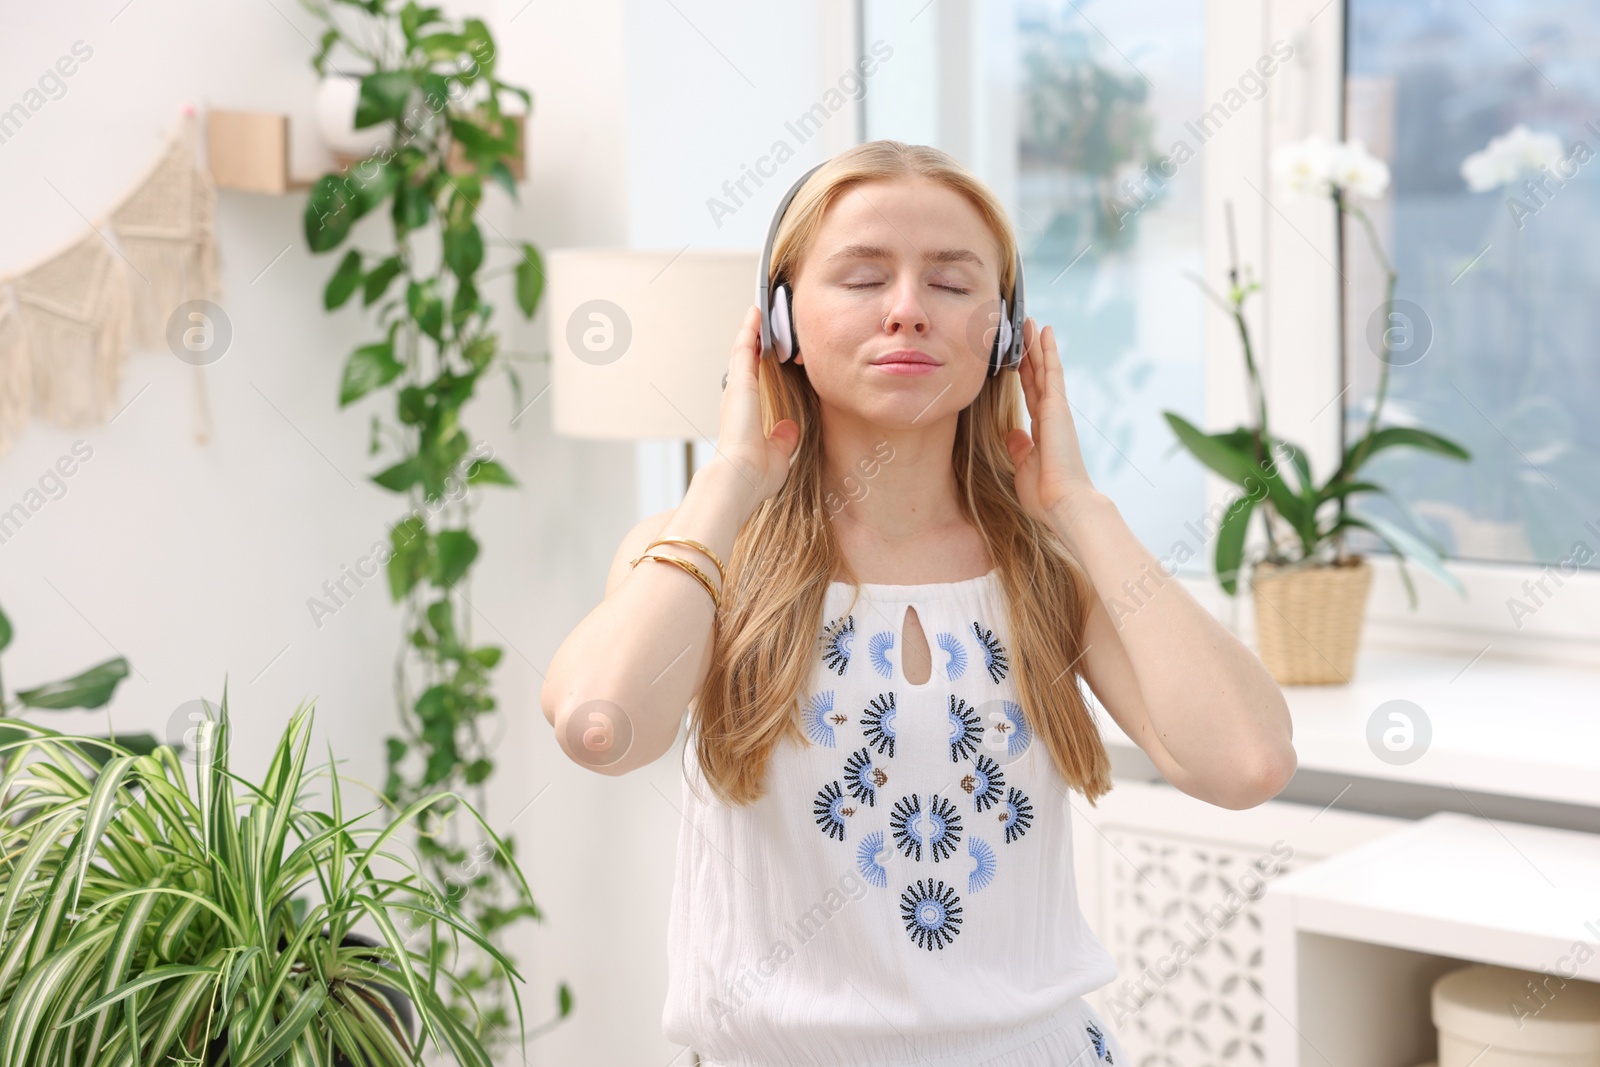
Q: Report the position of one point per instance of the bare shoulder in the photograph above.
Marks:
(643, 532)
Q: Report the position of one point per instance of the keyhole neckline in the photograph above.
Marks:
(922, 591)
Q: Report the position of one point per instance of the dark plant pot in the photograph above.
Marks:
(398, 1001)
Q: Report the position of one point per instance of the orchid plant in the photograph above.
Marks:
(1251, 456)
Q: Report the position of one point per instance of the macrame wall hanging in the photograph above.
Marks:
(68, 324)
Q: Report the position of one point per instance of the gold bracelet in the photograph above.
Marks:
(692, 543)
(690, 568)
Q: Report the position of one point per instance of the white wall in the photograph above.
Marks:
(196, 560)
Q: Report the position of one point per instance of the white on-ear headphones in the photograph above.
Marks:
(777, 319)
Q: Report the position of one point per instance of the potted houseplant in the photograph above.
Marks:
(151, 916)
(1310, 595)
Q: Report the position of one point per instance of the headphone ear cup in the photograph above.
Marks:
(783, 338)
(1002, 340)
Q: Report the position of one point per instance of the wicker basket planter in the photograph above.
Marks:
(1308, 619)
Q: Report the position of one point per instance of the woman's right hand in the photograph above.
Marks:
(760, 462)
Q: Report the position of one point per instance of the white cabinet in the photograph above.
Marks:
(1165, 882)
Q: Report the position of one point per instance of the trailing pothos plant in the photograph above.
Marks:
(1301, 528)
(153, 916)
(430, 83)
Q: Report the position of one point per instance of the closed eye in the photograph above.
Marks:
(870, 285)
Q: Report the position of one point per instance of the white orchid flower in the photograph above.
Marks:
(1304, 166)
(1358, 172)
(1517, 152)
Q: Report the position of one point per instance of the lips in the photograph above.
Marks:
(904, 355)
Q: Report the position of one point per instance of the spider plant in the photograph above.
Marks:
(149, 919)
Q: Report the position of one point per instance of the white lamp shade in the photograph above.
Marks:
(639, 340)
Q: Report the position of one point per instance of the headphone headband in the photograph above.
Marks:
(764, 272)
(1007, 350)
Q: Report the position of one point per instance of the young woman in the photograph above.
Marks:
(878, 601)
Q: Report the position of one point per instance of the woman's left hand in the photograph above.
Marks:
(1050, 471)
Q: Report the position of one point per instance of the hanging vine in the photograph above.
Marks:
(432, 83)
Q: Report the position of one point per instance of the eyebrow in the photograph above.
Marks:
(942, 255)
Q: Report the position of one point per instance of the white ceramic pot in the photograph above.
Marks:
(336, 118)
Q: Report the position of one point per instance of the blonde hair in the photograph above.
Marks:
(766, 631)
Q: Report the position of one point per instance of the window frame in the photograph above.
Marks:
(1296, 241)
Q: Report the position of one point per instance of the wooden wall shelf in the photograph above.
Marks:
(249, 151)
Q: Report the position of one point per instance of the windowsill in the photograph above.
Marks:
(1501, 725)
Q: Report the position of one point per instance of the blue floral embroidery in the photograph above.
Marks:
(1102, 1051)
(837, 638)
(1018, 814)
(877, 723)
(932, 913)
(966, 730)
(820, 719)
(877, 647)
(939, 830)
(994, 653)
(984, 783)
(831, 810)
(956, 664)
(861, 778)
(867, 861)
(1014, 729)
(907, 812)
(982, 854)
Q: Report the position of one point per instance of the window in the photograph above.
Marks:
(1066, 110)
(1489, 116)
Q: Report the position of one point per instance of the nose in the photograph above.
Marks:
(906, 311)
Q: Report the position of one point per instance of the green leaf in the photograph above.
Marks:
(319, 62)
(91, 689)
(5, 630)
(488, 472)
(502, 176)
(530, 280)
(308, 1003)
(488, 656)
(1407, 546)
(344, 281)
(456, 551)
(463, 250)
(426, 308)
(378, 278)
(439, 47)
(477, 771)
(330, 212)
(413, 18)
(408, 562)
(1232, 455)
(480, 351)
(1335, 490)
(412, 206)
(1302, 468)
(369, 367)
(1410, 436)
(127, 989)
(383, 97)
(1230, 542)
(370, 181)
(400, 477)
(476, 140)
(412, 405)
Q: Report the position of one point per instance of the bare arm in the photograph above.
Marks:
(1188, 692)
(617, 688)
(628, 671)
